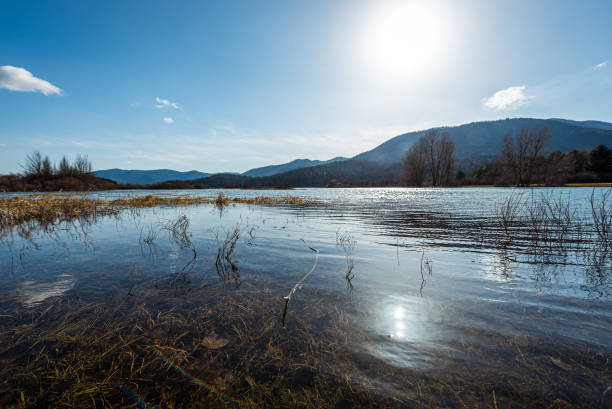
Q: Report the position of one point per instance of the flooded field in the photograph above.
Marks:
(341, 298)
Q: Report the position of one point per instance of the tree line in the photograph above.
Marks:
(37, 166)
(524, 160)
(521, 161)
(40, 173)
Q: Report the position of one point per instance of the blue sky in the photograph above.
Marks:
(232, 85)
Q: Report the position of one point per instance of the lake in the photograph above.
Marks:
(384, 297)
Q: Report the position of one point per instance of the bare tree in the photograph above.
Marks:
(33, 166)
(415, 165)
(521, 152)
(446, 159)
(82, 165)
(47, 168)
(64, 168)
(433, 155)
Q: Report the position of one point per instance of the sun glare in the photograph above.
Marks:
(403, 41)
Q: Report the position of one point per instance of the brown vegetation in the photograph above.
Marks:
(55, 208)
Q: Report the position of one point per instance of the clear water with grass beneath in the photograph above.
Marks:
(413, 302)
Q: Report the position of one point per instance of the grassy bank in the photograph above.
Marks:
(55, 208)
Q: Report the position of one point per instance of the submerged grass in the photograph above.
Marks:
(215, 350)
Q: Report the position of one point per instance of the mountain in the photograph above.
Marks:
(477, 143)
(147, 177)
(588, 124)
(285, 167)
(484, 138)
(312, 176)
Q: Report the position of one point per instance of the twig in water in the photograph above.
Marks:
(397, 250)
(426, 270)
(287, 298)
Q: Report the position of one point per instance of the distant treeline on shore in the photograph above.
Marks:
(555, 169)
(431, 162)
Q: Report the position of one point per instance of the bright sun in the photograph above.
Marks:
(403, 41)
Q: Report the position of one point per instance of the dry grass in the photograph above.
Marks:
(590, 184)
(18, 210)
(56, 208)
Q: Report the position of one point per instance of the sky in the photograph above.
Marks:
(232, 85)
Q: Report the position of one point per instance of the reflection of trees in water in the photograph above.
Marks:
(29, 235)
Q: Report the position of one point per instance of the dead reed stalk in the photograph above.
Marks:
(287, 298)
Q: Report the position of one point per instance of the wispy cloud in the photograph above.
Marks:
(509, 98)
(162, 157)
(20, 79)
(164, 103)
(168, 120)
(600, 65)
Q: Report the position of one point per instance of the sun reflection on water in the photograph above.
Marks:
(403, 329)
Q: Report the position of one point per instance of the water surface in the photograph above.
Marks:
(435, 311)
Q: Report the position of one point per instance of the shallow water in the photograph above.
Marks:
(436, 314)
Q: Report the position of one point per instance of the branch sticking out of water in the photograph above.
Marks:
(178, 230)
(426, 270)
(287, 298)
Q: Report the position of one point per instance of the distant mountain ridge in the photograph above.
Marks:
(286, 167)
(477, 143)
(147, 177)
(311, 176)
(484, 138)
(588, 124)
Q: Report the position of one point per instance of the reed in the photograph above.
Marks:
(178, 231)
(226, 267)
(347, 243)
(426, 270)
(507, 211)
(550, 227)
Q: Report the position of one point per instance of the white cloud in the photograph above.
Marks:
(164, 103)
(601, 65)
(19, 79)
(509, 98)
(168, 120)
